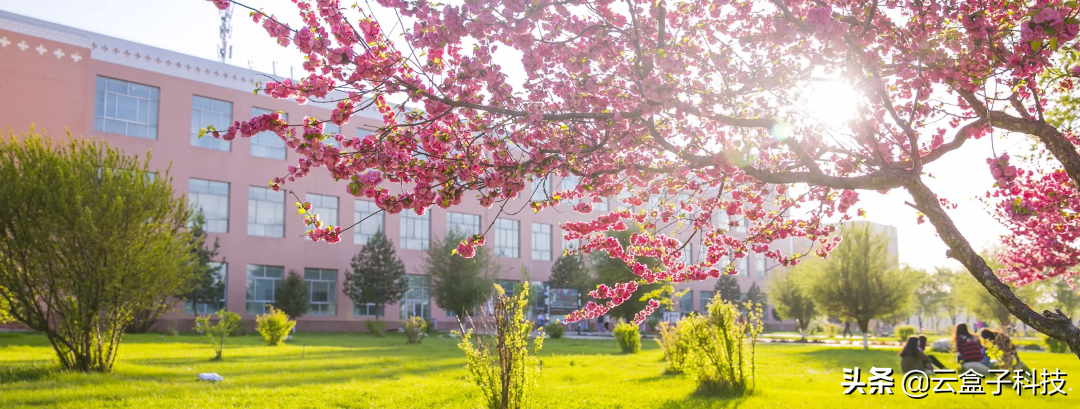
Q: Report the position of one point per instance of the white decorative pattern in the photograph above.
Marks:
(144, 57)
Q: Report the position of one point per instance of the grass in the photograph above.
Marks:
(360, 371)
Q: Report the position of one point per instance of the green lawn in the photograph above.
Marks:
(350, 370)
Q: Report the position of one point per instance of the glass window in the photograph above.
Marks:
(267, 144)
(686, 303)
(415, 230)
(602, 206)
(508, 286)
(725, 221)
(212, 307)
(330, 129)
(212, 198)
(759, 264)
(266, 212)
(506, 238)
(262, 281)
(541, 189)
(417, 300)
(743, 265)
(361, 132)
(469, 224)
(368, 309)
(126, 108)
(704, 298)
(370, 224)
(570, 183)
(687, 254)
(541, 241)
(324, 206)
(206, 112)
(570, 244)
(322, 290)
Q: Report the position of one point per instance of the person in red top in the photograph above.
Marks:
(968, 348)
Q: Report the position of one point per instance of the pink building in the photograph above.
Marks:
(139, 98)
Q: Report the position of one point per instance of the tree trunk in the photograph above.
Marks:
(1051, 323)
(864, 326)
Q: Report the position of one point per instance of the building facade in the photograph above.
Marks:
(143, 99)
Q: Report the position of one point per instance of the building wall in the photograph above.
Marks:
(51, 70)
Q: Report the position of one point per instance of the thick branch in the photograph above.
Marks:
(1055, 325)
(959, 138)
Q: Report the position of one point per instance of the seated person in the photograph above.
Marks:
(913, 359)
(933, 360)
(969, 351)
(1009, 359)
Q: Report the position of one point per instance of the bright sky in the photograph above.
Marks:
(191, 27)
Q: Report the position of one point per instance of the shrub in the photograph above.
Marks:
(1033, 347)
(831, 330)
(415, 328)
(904, 331)
(628, 336)
(1056, 346)
(227, 323)
(555, 330)
(430, 327)
(274, 326)
(501, 364)
(674, 346)
(239, 331)
(375, 327)
(722, 348)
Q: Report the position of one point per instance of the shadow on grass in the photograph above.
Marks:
(27, 372)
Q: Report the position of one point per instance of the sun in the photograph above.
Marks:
(832, 103)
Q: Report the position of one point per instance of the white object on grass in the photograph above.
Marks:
(210, 376)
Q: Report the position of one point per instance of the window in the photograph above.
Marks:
(262, 281)
(206, 112)
(570, 183)
(468, 224)
(602, 206)
(322, 290)
(126, 108)
(743, 266)
(570, 244)
(541, 189)
(330, 129)
(267, 144)
(510, 287)
(686, 303)
(361, 132)
(740, 225)
(506, 238)
(212, 307)
(212, 199)
(266, 212)
(759, 264)
(704, 298)
(417, 300)
(725, 221)
(687, 254)
(368, 309)
(541, 241)
(415, 230)
(324, 206)
(369, 226)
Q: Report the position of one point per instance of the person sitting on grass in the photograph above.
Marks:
(969, 352)
(913, 359)
(1009, 359)
(933, 360)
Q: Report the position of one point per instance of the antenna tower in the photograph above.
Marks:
(225, 50)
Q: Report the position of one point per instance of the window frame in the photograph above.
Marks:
(152, 107)
(196, 201)
(253, 213)
(504, 235)
(211, 142)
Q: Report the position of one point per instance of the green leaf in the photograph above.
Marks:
(1036, 45)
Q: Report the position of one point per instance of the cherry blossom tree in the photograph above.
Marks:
(702, 104)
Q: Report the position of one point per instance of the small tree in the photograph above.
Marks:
(756, 297)
(227, 323)
(949, 281)
(791, 301)
(274, 326)
(861, 281)
(459, 285)
(928, 294)
(292, 296)
(727, 287)
(501, 364)
(570, 271)
(377, 276)
(209, 284)
(614, 270)
(88, 238)
(722, 347)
